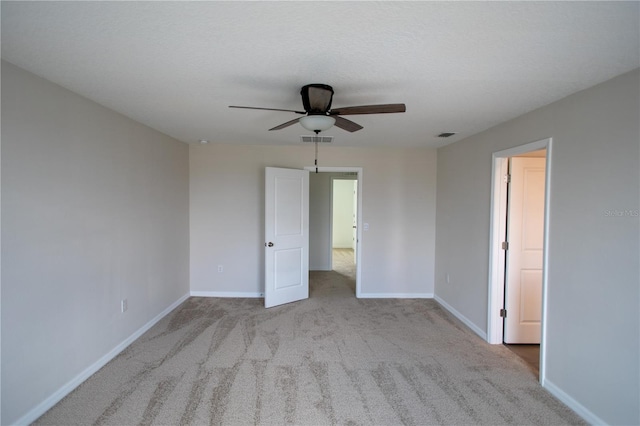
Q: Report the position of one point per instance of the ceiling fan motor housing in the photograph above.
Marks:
(316, 98)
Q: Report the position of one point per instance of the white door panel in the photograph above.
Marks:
(288, 268)
(525, 232)
(531, 297)
(286, 236)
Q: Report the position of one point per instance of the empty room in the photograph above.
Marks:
(317, 213)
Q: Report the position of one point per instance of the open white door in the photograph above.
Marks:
(286, 236)
(525, 234)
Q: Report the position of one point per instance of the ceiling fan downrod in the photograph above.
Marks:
(316, 160)
(317, 132)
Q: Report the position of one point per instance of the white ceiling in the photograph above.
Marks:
(458, 66)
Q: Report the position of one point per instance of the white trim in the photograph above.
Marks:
(580, 409)
(244, 294)
(359, 218)
(495, 328)
(545, 262)
(523, 149)
(330, 248)
(497, 232)
(362, 295)
(67, 388)
(462, 318)
(396, 295)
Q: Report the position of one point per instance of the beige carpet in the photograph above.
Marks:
(331, 359)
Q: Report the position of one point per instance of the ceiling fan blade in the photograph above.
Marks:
(369, 109)
(287, 124)
(347, 125)
(268, 109)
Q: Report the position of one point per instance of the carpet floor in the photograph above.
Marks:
(331, 359)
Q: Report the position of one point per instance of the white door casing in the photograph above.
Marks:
(286, 236)
(355, 222)
(525, 234)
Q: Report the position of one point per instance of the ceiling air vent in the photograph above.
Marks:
(446, 134)
(321, 139)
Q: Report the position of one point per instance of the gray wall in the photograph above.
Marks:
(320, 220)
(227, 215)
(94, 210)
(593, 318)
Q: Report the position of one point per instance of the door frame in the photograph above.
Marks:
(358, 170)
(497, 231)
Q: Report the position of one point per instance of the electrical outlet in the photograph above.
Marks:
(124, 305)
(220, 268)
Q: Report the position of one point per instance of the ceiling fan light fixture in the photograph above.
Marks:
(317, 123)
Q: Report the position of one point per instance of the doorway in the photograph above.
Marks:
(523, 256)
(523, 249)
(498, 261)
(344, 208)
(321, 250)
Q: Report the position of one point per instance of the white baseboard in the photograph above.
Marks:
(583, 412)
(53, 399)
(567, 400)
(462, 318)
(395, 296)
(225, 294)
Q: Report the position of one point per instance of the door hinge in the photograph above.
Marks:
(505, 245)
(503, 313)
(507, 178)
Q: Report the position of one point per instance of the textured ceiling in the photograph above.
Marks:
(458, 66)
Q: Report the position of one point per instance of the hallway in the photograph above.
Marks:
(343, 262)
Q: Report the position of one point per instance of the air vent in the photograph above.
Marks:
(313, 139)
(446, 134)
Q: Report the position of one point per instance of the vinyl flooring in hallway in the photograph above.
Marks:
(343, 262)
(530, 354)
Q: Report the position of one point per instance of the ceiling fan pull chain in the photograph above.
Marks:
(316, 161)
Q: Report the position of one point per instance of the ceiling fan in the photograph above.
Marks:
(318, 115)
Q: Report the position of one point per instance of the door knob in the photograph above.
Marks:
(269, 244)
